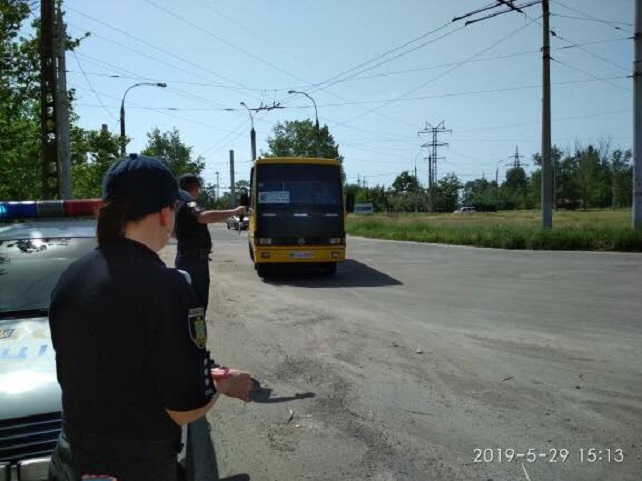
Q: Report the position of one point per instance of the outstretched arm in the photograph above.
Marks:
(211, 216)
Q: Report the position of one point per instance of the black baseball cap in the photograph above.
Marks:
(186, 181)
(145, 182)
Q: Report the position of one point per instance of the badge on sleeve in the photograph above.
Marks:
(196, 326)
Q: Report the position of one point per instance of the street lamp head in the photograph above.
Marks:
(243, 104)
(292, 92)
(161, 84)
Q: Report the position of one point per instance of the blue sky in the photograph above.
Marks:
(482, 80)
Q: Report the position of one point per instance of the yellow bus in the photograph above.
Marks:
(297, 213)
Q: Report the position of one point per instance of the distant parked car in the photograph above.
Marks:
(465, 210)
(234, 221)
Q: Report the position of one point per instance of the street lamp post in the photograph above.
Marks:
(252, 131)
(316, 116)
(123, 136)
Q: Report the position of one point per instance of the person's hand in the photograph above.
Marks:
(237, 385)
(240, 210)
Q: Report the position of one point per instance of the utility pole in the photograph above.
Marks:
(232, 189)
(416, 193)
(637, 120)
(547, 178)
(547, 184)
(217, 184)
(48, 130)
(62, 111)
(433, 157)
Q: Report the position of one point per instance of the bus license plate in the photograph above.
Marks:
(301, 255)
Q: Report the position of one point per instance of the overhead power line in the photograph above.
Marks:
(585, 72)
(328, 83)
(555, 34)
(91, 87)
(148, 44)
(614, 24)
(222, 40)
(590, 17)
(442, 74)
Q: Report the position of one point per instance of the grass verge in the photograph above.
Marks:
(587, 231)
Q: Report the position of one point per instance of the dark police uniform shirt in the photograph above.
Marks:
(129, 344)
(190, 233)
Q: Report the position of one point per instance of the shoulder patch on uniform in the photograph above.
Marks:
(196, 327)
(192, 204)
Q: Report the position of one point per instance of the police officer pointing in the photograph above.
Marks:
(194, 243)
(130, 340)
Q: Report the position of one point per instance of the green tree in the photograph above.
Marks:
(170, 149)
(20, 164)
(19, 105)
(242, 187)
(481, 194)
(621, 178)
(94, 152)
(447, 193)
(297, 138)
(407, 194)
(405, 183)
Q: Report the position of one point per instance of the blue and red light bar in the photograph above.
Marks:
(49, 208)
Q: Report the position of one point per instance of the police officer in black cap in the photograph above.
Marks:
(194, 243)
(130, 340)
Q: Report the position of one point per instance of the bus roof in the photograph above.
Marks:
(297, 160)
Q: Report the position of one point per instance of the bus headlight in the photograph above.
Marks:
(265, 241)
(335, 240)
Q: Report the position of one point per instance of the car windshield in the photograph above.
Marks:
(301, 185)
(30, 268)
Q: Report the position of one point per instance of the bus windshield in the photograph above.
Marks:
(298, 185)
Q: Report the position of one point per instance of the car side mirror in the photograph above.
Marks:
(350, 202)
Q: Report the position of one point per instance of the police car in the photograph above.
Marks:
(38, 240)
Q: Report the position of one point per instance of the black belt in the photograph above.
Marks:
(122, 448)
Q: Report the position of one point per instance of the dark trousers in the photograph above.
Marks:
(196, 264)
(74, 462)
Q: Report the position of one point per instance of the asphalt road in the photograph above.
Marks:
(428, 362)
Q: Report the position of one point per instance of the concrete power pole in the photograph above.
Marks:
(217, 184)
(637, 120)
(232, 188)
(62, 112)
(48, 130)
(547, 177)
(547, 173)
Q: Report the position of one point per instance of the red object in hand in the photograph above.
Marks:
(221, 372)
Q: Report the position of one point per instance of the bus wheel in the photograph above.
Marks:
(330, 268)
(262, 270)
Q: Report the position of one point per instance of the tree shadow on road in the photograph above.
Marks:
(350, 273)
